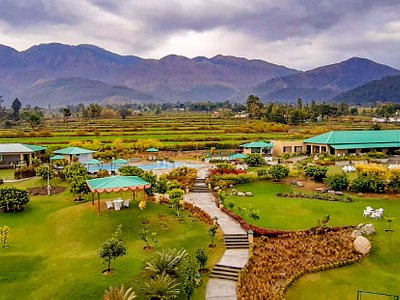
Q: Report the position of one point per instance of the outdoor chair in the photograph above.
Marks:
(117, 205)
(367, 213)
(127, 202)
(109, 204)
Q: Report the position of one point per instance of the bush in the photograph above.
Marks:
(44, 172)
(13, 199)
(227, 179)
(337, 182)
(279, 171)
(394, 180)
(365, 183)
(315, 173)
(76, 169)
(262, 172)
(102, 173)
(255, 159)
(24, 172)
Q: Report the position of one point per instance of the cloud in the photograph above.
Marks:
(295, 33)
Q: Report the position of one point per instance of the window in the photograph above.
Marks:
(287, 149)
(298, 149)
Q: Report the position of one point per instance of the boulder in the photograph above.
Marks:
(368, 229)
(362, 245)
(355, 234)
(331, 192)
(216, 188)
(249, 194)
(359, 226)
(300, 184)
(231, 185)
(293, 182)
(320, 190)
(339, 193)
(241, 194)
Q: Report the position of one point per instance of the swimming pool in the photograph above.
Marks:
(158, 165)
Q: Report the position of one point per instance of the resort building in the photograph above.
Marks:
(16, 153)
(261, 147)
(282, 147)
(354, 142)
(75, 154)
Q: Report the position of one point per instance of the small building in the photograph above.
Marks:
(75, 154)
(264, 148)
(283, 147)
(354, 142)
(12, 154)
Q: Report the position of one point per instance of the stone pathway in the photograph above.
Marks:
(219, 288)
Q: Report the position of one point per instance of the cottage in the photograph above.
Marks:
(75, 153)
(261, 147)
(16, 153)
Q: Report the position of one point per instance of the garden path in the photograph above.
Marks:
(218, 288)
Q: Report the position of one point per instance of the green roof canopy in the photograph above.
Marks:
(238, 156)
(19, 148)
(93, 162)
(152, 150)
(57, 157)
(258, 144)
(116, 184)
(120, 161)
(73, 151)
(352, 139)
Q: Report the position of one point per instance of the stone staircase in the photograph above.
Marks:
(236, 241)
(225, 272)
(200, 186)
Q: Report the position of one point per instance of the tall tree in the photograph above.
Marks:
(16, 106)
(254, 107)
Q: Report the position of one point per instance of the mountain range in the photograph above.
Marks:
(57, 74)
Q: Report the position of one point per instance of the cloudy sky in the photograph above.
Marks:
(296, 33)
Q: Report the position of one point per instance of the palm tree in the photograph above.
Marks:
(167, 262)
(119, 293)
(161, 287)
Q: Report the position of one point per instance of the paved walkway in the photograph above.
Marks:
(221, 288)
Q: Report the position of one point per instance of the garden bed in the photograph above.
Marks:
(42, 191)
(278, 262)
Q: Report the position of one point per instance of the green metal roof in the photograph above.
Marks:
(93, 162)
(348, 139)
(116, 183)
(238, 156)
(73, 151)
(57, 157)
(258, 144)
(120, 161)
(10, 148)
(152, 150)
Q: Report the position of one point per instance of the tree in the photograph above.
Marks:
(16, 106)
(74, 170)
(176, 197)
(79, 187)
(201, 257)
(13, 199)
(254, 107)
(112, 248)
(279, 171)
(147, 236)
(66, 111)
(4, 235)
(119, 293)
(123, 112)
(167, 262)
(44, 172)
(161, 286)
(315, 173)
(212, 231)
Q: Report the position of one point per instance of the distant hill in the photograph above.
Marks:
(64, 91)
(172, 78)
(322, 83)
(386, 89)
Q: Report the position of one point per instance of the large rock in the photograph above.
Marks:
(355, 234)
(362, 245)
(241, 194)
(249, 194)
(367, 229)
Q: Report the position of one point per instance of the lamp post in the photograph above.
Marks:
(48, 180)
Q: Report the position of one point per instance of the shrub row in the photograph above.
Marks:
(198, 213)
(326, 197)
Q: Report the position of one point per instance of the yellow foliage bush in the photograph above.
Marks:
(372, 169)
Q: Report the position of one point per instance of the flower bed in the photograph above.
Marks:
(198, 213)
(325, 197)
(279, 261)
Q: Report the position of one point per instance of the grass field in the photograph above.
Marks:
(54, 243)
(379, 272)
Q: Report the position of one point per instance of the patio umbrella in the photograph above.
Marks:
(238, 156)
(120, 161)
(152, 150)
(93, 162)
(57, 157)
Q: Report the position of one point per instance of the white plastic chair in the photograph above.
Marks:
(369, 208)
(109, 204)
(117, 205)
(127, 202)
(367, 213)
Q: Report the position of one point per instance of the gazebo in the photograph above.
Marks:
(116, 184)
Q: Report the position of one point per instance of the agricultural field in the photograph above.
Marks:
(54, 244)
(378, 272)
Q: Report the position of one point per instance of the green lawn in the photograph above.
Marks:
(7, 174)
(54, 243)
(379, 272)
